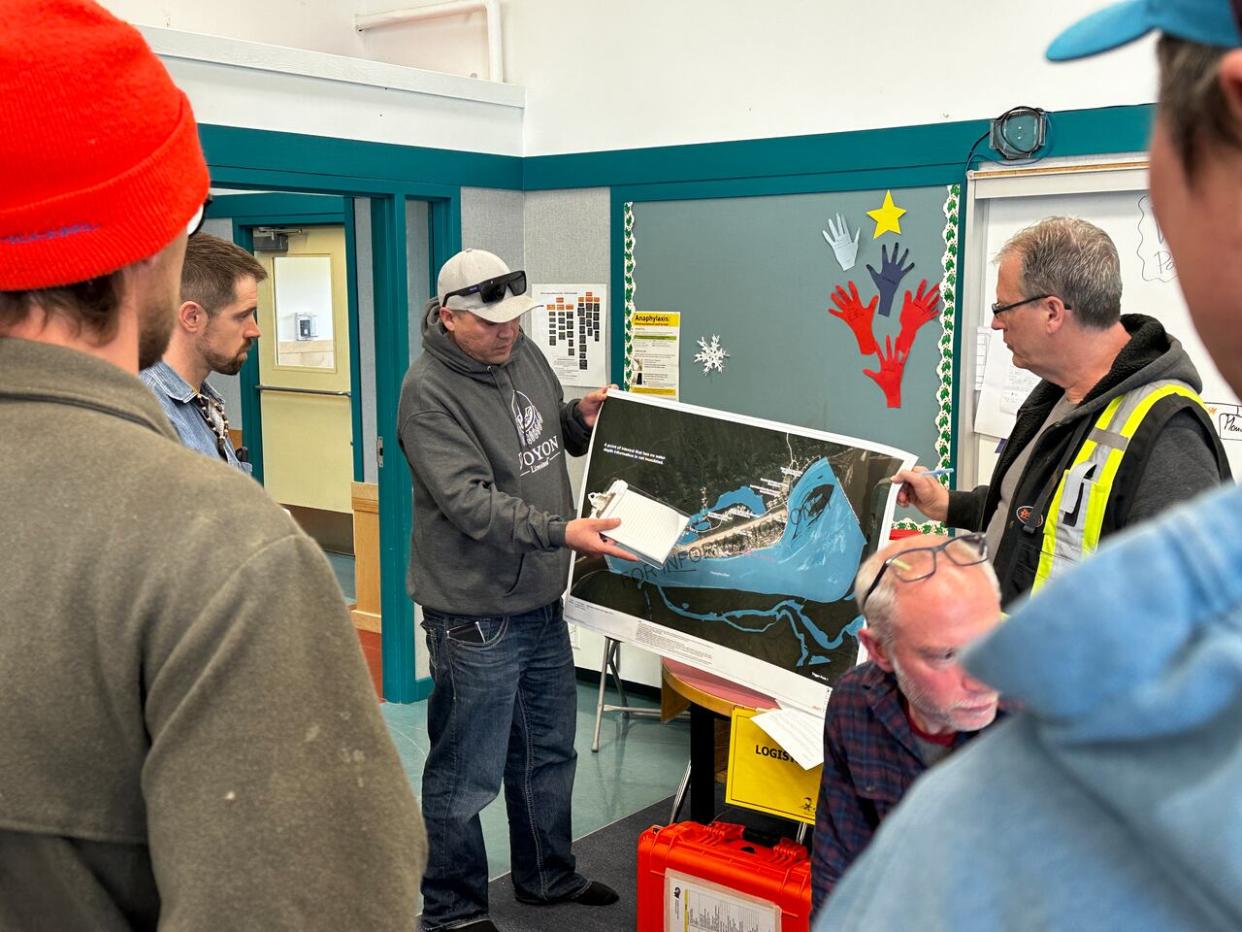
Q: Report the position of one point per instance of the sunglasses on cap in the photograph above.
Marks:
(493, 289)
(196, 222)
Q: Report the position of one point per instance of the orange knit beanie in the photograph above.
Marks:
(100, 163)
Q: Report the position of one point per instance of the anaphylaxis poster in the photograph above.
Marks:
(759, 587)
(656, 353)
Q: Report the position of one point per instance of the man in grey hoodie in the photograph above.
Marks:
(485, 428)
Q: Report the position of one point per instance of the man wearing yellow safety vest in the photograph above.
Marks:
(1115, 432)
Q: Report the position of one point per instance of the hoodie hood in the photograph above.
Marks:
(1130, 670)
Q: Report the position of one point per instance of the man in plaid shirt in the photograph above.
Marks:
(911, 704)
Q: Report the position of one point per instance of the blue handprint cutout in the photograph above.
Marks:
(888, 279)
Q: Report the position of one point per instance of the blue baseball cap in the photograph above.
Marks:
(1208, 22)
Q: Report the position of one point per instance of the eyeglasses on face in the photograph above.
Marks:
(920, 562)
(1002, 308)
(493, 289)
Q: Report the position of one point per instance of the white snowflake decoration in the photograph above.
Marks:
(713, 355)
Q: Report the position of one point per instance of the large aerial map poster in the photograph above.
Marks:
(759, 587)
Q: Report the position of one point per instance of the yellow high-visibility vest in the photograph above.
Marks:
(1076, 514)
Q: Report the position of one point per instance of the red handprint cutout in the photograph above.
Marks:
(857, 317)
(915, 312)
(892, 367)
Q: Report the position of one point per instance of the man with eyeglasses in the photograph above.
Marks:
(911, 704)
(1113, 435)
(189, 738)
(485, 428)
(1111, 802)
(215, 327)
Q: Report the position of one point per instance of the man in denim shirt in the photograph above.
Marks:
(213, 333)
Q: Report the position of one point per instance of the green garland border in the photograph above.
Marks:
(627, 221)
(948, 323)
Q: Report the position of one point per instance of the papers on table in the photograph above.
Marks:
(800, 733)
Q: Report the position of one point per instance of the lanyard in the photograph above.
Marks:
(213, 413)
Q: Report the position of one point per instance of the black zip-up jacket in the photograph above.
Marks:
(1175, 455)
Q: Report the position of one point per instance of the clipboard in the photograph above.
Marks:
(649, 528)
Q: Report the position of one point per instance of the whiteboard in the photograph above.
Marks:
(1116, 201)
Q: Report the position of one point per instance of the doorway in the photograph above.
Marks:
(394, 243)
(305, 384)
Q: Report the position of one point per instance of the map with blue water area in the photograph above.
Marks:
(779, 523)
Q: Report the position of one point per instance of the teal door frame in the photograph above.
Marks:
(388, 175)
(248, 211)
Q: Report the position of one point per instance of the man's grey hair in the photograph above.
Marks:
(1074, 260)
(883, 602)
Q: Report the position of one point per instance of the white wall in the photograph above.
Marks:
(652, 72)
(231, 94)
(319, 25)
(299, 66)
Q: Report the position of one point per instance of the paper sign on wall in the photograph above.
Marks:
(570, 323)
(656, 353)
(1004, 388)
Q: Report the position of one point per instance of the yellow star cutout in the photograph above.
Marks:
(887, 218)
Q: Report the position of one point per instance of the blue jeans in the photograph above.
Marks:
(503, 706)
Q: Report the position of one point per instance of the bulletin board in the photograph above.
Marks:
(787, 302)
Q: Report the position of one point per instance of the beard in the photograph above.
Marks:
(155, 326)
(954, 717)
(226, 365)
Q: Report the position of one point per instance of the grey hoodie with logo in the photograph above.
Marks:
(486, 446)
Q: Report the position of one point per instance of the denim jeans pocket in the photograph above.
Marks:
(478, 633)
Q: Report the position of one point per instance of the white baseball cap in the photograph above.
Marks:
(478, 281)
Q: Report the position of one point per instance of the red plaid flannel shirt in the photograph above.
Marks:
(870, 760)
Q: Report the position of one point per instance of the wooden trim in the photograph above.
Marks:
(366, 621)
(1075, 169)
(366, 612)
(366, 497)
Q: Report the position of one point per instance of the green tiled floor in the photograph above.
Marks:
(639, 762)
(343, 568)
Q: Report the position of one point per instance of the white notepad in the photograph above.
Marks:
(649, 528)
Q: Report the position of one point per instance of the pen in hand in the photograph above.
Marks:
(906, 496)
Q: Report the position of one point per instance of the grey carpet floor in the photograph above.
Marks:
(611, 856)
